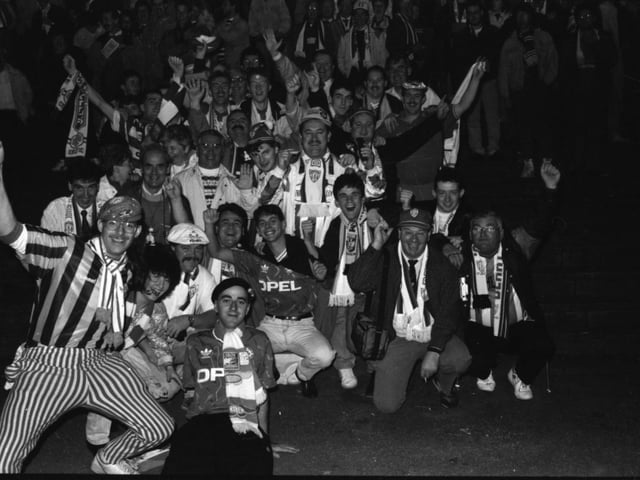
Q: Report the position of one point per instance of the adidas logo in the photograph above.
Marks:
(206, 353)
(264, 268)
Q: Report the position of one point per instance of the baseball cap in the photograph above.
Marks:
(358, 111)
(415, 218)
(187, 234)
(316, 113)
(260, 133)
(363, 4)
(414, 86)
(122, 208)
(232, 282)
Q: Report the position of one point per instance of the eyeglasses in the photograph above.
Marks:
(476, 229)
(210, 145)
(128, 227)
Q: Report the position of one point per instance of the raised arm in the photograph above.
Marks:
(470, 94)
(210, 217)
(94, 97)
(8, 222)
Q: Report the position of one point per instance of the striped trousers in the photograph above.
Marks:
(49, 382)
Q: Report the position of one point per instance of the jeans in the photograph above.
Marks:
(341, 336)
(394, 370)
(300, 337)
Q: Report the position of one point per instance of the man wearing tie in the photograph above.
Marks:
(76, 214)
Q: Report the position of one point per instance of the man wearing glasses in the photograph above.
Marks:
(205, 184)
(496, 286)
(67, 360)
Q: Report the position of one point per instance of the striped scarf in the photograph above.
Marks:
(241, 384)
(77, 140)
(354, 239)
(111, 297)
(487, 311)
(452, 143)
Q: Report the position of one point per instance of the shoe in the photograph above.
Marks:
(447, 399)
(123, 467)
(309, 388)
(527, 168)
(520, 390)
(487, 384)
(347, 378)
(289, 376)
(94, 448)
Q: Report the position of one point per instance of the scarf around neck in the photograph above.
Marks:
(241, 384)
(410, 316)
(111, 302)
(485, 310)
(354, 239)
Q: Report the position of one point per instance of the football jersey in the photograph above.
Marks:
(204, 368)
(285, 293)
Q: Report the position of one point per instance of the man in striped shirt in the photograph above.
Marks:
(76, 323)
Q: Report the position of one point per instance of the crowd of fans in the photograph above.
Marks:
(235, 169)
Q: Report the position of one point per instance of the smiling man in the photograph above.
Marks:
(228, 370)
(61, 365)
(497, 288)
(76, 214)
(421, 308)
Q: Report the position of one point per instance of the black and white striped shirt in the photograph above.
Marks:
(66, 272)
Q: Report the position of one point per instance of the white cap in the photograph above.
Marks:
(187, 234)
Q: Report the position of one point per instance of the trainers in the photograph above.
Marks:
(347, 378)
(289, 376)
(520, 390)
(487, 384)
(123, 467)
(527, 168)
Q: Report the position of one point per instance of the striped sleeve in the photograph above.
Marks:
(43, 250)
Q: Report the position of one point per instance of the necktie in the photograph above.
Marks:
(412, 274)
(186, 279)
(85, 229)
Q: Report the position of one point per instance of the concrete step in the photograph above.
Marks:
(586, 286)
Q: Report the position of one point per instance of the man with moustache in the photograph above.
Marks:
(236, 151)
(61, 366)
(188, 304)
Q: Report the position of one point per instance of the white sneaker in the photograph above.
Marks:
(123, 467)
(347, 378)
(520, 390)
(289, 376)
(487, 384)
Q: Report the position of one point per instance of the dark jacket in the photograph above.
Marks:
(366, 274)
(518, 247)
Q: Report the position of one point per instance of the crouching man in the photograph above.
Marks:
(227, 372)
(421, 305)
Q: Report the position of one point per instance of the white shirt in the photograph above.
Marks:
(200, 288)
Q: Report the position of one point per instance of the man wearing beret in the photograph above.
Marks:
(67, 359)
(421, 309)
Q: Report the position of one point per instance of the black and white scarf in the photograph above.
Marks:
(485, 310)
(354, 239)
